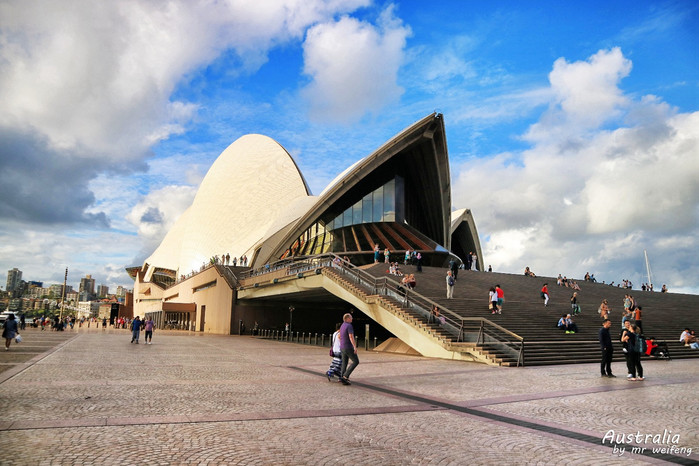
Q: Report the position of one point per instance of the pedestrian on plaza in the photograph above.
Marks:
(104, 323)
(135, 329)
(605, 343)
(149, 327)
(348, 349)
(10, 331)
(22, 322)
(450, 285)
(336, 353)
(633, 346)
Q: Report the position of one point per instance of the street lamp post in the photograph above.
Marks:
(63, 298)
(291, 315)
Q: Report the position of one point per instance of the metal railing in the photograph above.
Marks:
(462, 329)
(311, 338)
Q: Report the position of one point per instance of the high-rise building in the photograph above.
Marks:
(87, 288)
(14, 280)
(102, 291)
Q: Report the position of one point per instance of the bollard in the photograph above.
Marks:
(374, 342)
(322, 339)
(303, 337)
(315, 339)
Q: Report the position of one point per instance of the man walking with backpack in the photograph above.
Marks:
(348, 349)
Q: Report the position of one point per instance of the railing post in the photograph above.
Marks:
(461, 331)
(480, 334)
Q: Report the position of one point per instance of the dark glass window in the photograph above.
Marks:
(357, 213)
(378, 205)
(367, 208)
(389, 202)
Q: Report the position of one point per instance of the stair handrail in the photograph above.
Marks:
(453, 323)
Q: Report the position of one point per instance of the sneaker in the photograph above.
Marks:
(640, 378)
(330, 377)
(611, 376)
(345, 381)
(633, 379)
(628, 376)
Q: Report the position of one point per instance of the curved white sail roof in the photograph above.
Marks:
(244, 192)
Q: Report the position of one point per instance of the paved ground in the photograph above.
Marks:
(91, 397)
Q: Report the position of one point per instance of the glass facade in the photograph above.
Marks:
(377, 206)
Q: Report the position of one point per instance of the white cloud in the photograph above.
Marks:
(156, 213)
(586, 94)
(93, 80)
(87, 91)
(587, 197)
(353, 66)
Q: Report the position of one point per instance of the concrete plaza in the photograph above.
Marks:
(88, 396)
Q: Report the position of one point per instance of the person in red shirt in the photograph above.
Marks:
(638, 317)
(545, 294)
(501, 297)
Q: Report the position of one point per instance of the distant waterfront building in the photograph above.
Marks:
(120, 291)
(102, 291)
(87, 288)
(88, 308)
(56, 290)
(14, 280)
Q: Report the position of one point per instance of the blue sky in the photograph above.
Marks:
(572, 130)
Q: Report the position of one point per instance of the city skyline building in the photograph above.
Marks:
(14, 280)
(102, 291)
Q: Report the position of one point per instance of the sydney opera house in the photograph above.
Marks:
(255, 202)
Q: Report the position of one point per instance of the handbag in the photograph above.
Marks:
(332, 355)
(18, 338)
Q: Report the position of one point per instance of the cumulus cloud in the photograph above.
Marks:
(156, 213)
(43, 185)
(94, 80)
(87, 92)
(353, 66)
(599, 184)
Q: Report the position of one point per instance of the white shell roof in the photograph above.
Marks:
(246, 190)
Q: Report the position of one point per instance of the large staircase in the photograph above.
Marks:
(665, 315)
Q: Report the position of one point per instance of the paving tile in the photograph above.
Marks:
(202, 399)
